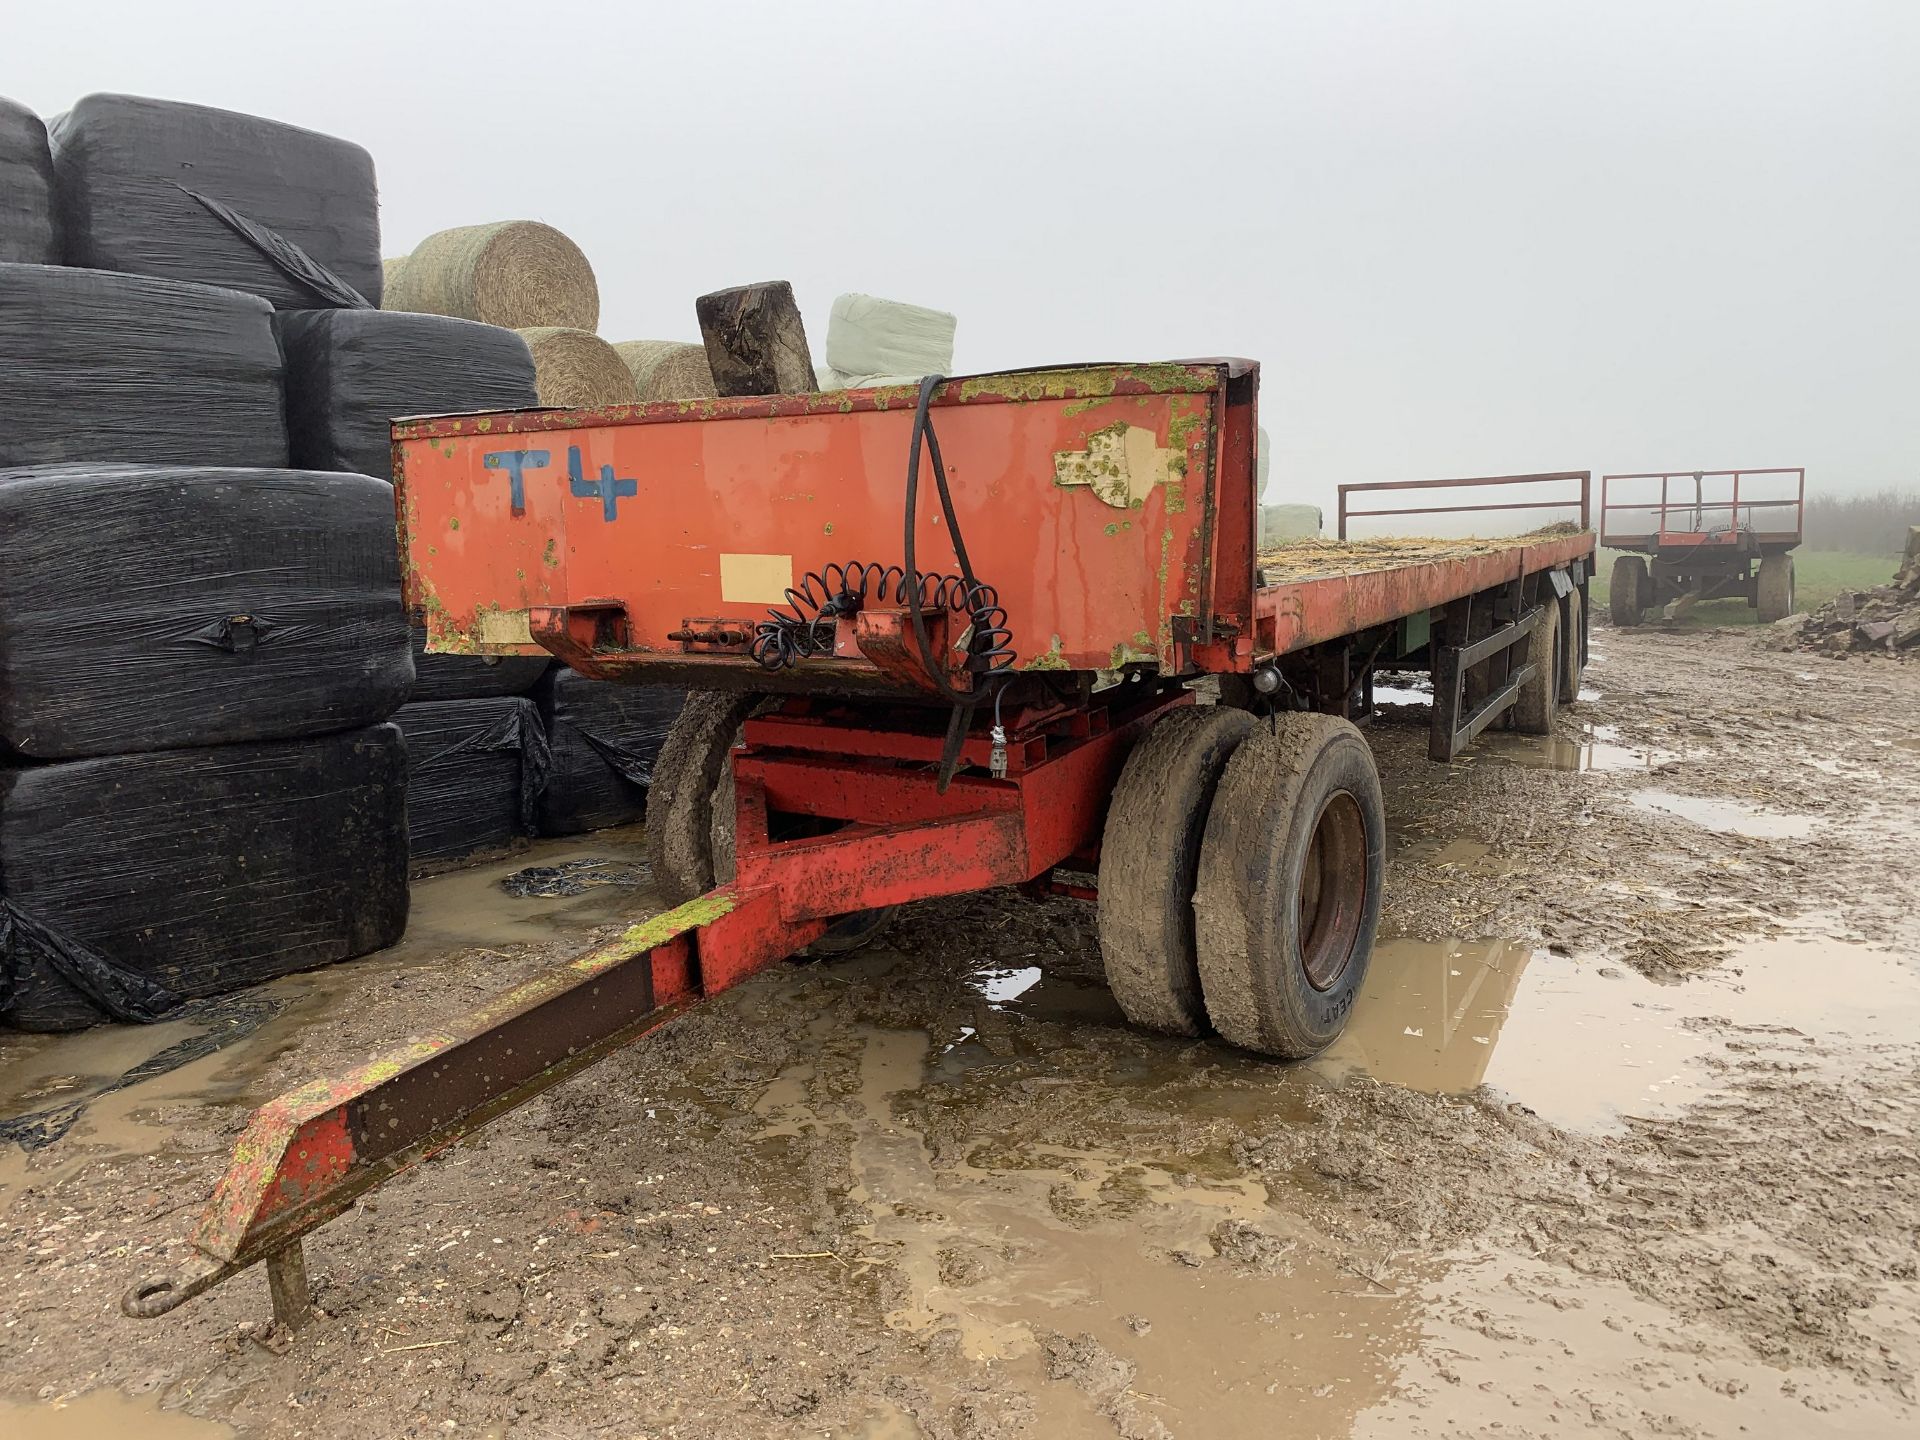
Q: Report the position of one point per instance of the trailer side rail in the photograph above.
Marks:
(1705, 518)
(1584, 477)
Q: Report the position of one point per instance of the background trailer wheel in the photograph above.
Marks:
(1774, 587)
(1149, 857)
(1629, 590)
(1290, 877)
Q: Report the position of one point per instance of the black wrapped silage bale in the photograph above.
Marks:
(160, 607)
(350, 373)
(603, 737)
(475, 769)
(471, 677)
(28, 235)
(99, 368)
(133, 881)
(123, 166)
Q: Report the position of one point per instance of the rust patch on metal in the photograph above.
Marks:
(1121, 464)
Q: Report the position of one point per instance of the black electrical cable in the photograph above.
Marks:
(806, 626)
(990, 648)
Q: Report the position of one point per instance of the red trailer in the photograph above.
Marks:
(1005, 630)
(1709, 535)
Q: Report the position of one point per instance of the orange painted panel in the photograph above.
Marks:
(1083, 497)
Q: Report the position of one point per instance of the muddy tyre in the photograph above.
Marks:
(1774, 588)
(1534, 706)
(1572, 663)
(1149, 860)
(689, 842)
(1629, 589)
(1291, 871)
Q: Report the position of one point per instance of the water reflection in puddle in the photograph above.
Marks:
(1001, 986)
(1599, 747)
(1583, 1044)
(1727, 817)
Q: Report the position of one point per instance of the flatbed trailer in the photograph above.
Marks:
(1005, 630)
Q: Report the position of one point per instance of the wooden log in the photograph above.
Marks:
(755, 341)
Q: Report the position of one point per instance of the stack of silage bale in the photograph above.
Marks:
(476, 754)
(197, 642)
(603, 740)
(27, 234)
(600, 738)
(884, 342)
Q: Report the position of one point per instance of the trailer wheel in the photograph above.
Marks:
(1533, 707)
(1775, 587)
(1571, 662)
(1290, 879)
(689, 841)
(1149, 855)
(1629, 590)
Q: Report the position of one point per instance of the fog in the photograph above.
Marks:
(1461, 238)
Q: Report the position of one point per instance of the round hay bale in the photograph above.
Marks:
(668, 369)
(516, 273)
(390, 271)
(576, 369)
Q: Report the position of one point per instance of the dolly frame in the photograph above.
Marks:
(305, 1157)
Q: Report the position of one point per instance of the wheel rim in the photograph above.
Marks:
(1333, 890)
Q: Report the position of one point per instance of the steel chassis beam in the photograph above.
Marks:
(1453, 731)
(308, 1155)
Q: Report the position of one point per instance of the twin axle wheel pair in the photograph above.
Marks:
(1240, 867)
(1240, 878)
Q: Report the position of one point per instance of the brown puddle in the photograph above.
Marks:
(1725, 817)
(1599, 748)
(103, 1415)
(1584, 1044)
(455, 912)
(986, 1252)
(1494, 1325)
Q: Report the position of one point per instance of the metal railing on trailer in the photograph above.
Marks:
(1699, 520)
(1465, 705)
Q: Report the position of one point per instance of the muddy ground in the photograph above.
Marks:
(1621, 1143)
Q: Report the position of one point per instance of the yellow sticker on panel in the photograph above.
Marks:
(755, 579)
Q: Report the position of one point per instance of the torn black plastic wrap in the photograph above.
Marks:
(475, 770)
(120, 162)
(604, 738)
(103, 368)
(351, 373)
(158, 607)
(197, 872)
(28, 235)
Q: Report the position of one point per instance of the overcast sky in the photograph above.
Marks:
(1466, 238)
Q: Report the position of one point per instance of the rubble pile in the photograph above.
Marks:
(1886, 617)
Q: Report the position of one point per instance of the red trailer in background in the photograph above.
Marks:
(1731, 536)
(1005, 630)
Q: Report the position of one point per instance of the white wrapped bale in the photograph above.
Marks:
(869, 338)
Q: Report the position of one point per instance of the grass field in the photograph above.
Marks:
(1818, 576)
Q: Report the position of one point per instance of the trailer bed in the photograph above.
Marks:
(1318, 591)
